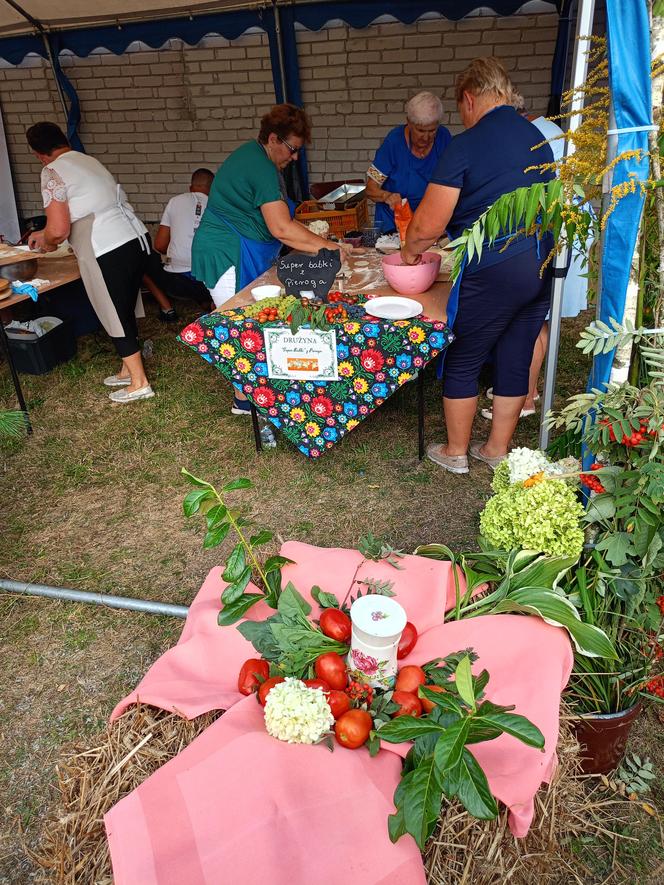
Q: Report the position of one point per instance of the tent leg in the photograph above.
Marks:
(584, 26)
(49, 51)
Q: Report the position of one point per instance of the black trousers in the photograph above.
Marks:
(123, 270)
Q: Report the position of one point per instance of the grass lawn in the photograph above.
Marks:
(92, 500)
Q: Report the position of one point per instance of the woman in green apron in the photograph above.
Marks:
(248, 216)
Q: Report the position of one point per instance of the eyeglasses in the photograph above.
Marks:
(290, 147)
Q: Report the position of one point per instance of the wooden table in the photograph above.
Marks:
(367, 279)
(58, 271)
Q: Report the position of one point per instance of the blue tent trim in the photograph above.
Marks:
(629, 72)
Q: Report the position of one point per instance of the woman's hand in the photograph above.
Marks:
(393, 200)
(346, 249)
(410, 257)
(37, 242)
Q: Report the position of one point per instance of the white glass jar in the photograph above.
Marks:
(378, 622)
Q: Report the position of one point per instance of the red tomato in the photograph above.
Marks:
(335, 624)
(317, 683)
(264, 690)
(352, 729)
(339, 702)
(332, 668)
(409, 704)
(407, 641)
(409, 678)
(248, 680)
(428, 705)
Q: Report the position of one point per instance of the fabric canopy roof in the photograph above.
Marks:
(67, 14)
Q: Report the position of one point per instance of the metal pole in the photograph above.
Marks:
(280, 49)
(120, 602)
(584, 25)
(47, 44)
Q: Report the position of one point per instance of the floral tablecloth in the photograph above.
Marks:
(375, 358)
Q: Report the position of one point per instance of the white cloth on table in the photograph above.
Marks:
(575, 289)
(90, 189)
(224, 288)
(182, 215)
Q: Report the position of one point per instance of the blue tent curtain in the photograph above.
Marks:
(629, 74)
(560, 53)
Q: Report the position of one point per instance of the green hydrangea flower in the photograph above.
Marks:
(501, 477)
(545, 517)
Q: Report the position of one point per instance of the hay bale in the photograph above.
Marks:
(464, 850)
(73, 849)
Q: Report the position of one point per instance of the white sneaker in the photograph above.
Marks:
(128, 396)
(116, 381)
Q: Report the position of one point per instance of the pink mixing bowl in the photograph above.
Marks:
(413, 279)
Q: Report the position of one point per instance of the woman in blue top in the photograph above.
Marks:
(502, 300)
(406, 159)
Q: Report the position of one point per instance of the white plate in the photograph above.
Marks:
(393, 307)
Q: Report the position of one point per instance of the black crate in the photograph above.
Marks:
(37, 356)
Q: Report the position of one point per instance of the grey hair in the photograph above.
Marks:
(424, 109)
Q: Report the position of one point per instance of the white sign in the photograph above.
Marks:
(305, 356)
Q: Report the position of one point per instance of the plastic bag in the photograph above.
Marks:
(403, 215)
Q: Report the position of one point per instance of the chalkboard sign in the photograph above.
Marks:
(299, 272)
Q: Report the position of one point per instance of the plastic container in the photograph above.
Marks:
(411, 279)
(260, 292)
(378, 622)
(340, 220)
(370, 235)
(37, 355)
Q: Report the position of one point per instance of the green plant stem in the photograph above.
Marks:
(247, 546)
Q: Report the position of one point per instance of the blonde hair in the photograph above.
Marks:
(484, 76)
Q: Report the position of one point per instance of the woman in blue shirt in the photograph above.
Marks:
(502, 300)
(406, 159)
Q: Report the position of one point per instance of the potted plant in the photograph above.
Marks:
(618, 583)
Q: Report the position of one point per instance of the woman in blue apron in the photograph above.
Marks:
(497, 306)
(406, 159)
(249, 216)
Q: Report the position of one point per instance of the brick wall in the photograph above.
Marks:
(154, 116)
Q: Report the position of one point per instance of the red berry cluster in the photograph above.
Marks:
(359, 691)
(656, 686)
(636, 437)
(660, 603)
(591, 481)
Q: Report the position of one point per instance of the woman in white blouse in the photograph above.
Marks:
(84, 203)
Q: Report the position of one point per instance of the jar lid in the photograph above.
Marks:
(378, 616)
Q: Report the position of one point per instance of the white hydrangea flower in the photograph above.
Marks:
(296, 713)
(524, 463)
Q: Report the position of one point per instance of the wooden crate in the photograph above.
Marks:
(340, 220)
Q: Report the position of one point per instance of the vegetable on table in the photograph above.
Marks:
(408, 641)
(266, 687)
(409, 704)
(353, 728)
(336, 624)
(252, 673)
(331, 667)
(409, 678)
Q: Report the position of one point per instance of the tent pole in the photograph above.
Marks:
(584, 26)
(280, 49)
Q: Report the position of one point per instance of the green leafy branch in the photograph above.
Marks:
(599, 338)
(439, 765)
(378, 549)
(313, 317)
(541, 207)
(288, 639)
(242, 562)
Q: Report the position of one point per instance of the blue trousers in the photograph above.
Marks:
(500, 314)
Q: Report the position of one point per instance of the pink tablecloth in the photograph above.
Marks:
(238, 806)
